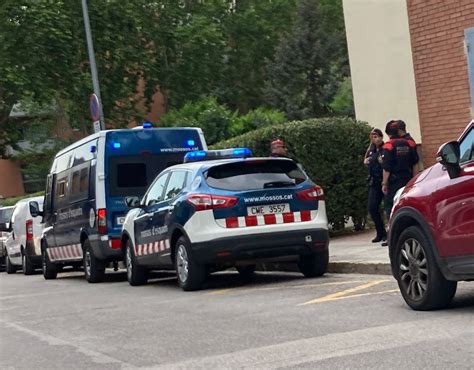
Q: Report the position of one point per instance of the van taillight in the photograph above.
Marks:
(102, 221)
(314, 193)
(29, 230)
(202, 202)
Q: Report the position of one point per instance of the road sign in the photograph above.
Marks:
(96, 126)
(94, 105)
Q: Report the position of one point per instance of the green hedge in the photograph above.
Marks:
(331, 151)
(12, 201)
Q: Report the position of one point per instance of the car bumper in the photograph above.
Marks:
(102, 248)
(261, 247)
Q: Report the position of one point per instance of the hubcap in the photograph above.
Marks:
(87, 259)
(128, 261)
(413, 269)
(182, 263)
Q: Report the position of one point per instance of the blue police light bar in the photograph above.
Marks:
(147, 125)
(203, 155)
(116, 145)
(190, 142)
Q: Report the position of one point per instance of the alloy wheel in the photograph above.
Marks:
(128, 262)
(87, 260)
(413, 269)
(182, 263)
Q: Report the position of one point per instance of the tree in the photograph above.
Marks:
(310, 61)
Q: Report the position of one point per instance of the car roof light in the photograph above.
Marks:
(147, 125)
(202, 155)
(191, 142)
(116, 145)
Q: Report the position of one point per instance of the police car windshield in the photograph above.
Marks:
(254, 175)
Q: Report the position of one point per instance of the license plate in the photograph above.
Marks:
(268, 209)
(120, 220)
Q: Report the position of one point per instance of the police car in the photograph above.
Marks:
(222, 209)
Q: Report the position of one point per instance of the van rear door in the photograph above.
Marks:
(133, 158)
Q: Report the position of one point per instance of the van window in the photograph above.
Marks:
(6, 214)
(133, 174)
(80, 183)
(61, 188)
(83, 153)
(62, 163)
(250, 175)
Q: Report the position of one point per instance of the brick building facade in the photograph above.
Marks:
(440, 62)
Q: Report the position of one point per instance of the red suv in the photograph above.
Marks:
(431, 237)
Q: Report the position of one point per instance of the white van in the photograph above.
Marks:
(5, 217)
(23, 245)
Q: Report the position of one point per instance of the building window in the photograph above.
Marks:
(469, 41)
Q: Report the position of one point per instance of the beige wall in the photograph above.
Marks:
(381, 62)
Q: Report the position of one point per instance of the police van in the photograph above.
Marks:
(84, 206)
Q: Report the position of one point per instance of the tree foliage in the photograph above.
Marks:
(310, 61)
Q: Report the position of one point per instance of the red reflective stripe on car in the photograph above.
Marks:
(288, 217)
(231, 222)
(251, 221)
(270, 219)
(305, 215)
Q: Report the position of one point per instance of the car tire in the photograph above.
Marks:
(27, 266)
(9, 267)
(246, 272)
(190, 274)
(136, 274)
(314, 264)
(94, 269)
(419, 278)
(50, 270)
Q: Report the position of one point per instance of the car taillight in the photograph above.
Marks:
(102, 221)
(29, 230)
(314, 193)
(202, 202)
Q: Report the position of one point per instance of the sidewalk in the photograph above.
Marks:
(356, 253)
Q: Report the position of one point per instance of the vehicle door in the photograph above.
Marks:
(455, 204)
(143, 224)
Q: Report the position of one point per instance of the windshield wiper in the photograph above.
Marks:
(278, 184)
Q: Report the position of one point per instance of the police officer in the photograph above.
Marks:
(402, 132)
(373, 160)
(399, 158)
(278, 149)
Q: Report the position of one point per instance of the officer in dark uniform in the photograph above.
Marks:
(402, 132)
(398, 160)
(373, 161)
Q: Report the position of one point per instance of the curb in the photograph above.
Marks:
(375, 268)
(360, 268)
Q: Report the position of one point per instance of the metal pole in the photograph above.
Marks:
(90, 48)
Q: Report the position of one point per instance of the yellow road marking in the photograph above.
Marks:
(334, 296)
(223, 291)
(365, 294)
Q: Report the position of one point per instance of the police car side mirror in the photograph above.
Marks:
(449, 155)
(35, 209)
(132, 201)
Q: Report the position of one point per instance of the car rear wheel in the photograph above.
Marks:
(9, 267)
(50, 270)
(420, 280)
(136, 274)
(190, 274)
(27, 266)
(94, 269)
(314, 265)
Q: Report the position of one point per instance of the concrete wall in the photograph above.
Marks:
(442, 81)
(381, 62)
(11, 183)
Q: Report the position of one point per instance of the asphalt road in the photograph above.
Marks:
(279, 320)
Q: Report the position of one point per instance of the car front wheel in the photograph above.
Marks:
(136, 274)
(420, 280)
(9, 267)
